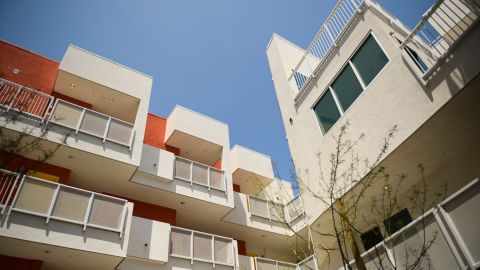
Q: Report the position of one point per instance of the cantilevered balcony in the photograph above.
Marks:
(273, 211)
(199, 174)
(36, 213)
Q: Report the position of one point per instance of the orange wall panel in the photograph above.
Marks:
(14, 162)
(236, 188)
(7, 262)
(34, 71)
(72, 100)
(242, 247)
(155, 133)
(151, 211)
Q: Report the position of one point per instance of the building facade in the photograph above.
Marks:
(366, 76)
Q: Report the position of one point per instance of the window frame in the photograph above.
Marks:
(341, 110)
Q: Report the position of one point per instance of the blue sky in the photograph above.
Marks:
(207, 55)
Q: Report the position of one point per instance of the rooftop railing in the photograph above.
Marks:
(452, 227)
(25, 100)
(275, 211)
(80, 119)
(199, 174)
(203, 247)
(440, 29)
(310, 263)
(325, 40)
(53, 201)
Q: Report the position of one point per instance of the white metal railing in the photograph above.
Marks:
(17, 97)
(310, 263)
(199, 174)
(324, 42)
(53, 201)
(452, 226)
(440, 29)
(204, 247)
(275, 211)
(90, 122)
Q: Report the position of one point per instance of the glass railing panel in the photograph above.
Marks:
(106, 212)
(295, 208)
(276, 211)
(35, 196)
(200, 174)
(202, 246)
(463, 213)
(258, 207)
(286, 266)
(217, 179)
(180, 242)
(223, 250)
(182, 169)
(307, 264)
(66, 114)
(71, 204)
(120, 132)
(94, 123)
(266, 264)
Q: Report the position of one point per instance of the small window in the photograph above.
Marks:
(397, 221)
(347, 87)
(371, 238)
(416, 58)
(369, 60)
(327, 111)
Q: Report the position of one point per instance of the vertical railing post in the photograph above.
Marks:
(330, 35)
(124, 217)
(14, 98)
(213, 250)
(19, 189)
(191, 173)
(10, 193)
(87, 214)
(106, 129)
(208, 177)
(80, 119)
(191, 247)
(268, 210)
(52, 204)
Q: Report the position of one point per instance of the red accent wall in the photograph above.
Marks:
(15, 162)
(151, 211)
(7, 262)
(242, 247)
(35, 71)
(155, 133)
(236, 188)
(72, 100)
(218, 164)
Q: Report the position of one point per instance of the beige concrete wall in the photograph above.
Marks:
(396, 97)
(149, 239)
(251, 161)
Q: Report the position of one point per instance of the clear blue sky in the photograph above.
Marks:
(207, 55)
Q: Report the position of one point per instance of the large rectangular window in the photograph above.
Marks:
(357, 74)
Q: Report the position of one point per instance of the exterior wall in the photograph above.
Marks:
(149, 239)
(376, 110)
(249, 160)
(7, 262)
(34, 71)
(155, 133)
(15, 163)
(279, 191)
(58, 233)
(72, 100)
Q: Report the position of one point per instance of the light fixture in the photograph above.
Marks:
(72, 85)
(182, 203)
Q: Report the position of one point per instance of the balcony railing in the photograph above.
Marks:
(309, 263)
(275, 211)
(23, 99)
(199, 174)
(453, 228)
(324, 42)
(54, 201)
(80, 119)
(203, 247)
(439, 31)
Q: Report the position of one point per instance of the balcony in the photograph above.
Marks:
(202, 247)
(80, 119)
(199, 174)
(287, 213)
(309, 263)
(442, 27)
(24, 100)
(451, 227)
(40, 216)
(197, 137)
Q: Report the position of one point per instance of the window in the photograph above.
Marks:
(357, 74)
(397, 221)
(371, 238)
(416, 58)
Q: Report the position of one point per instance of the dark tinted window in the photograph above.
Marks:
(397, 221)
(347, 87)
(326, 111)
(369, 59)
(371, 238)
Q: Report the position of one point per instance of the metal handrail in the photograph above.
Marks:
(286, 214)
(277, 262)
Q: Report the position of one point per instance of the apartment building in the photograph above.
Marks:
(104, 184)
(366, 71)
